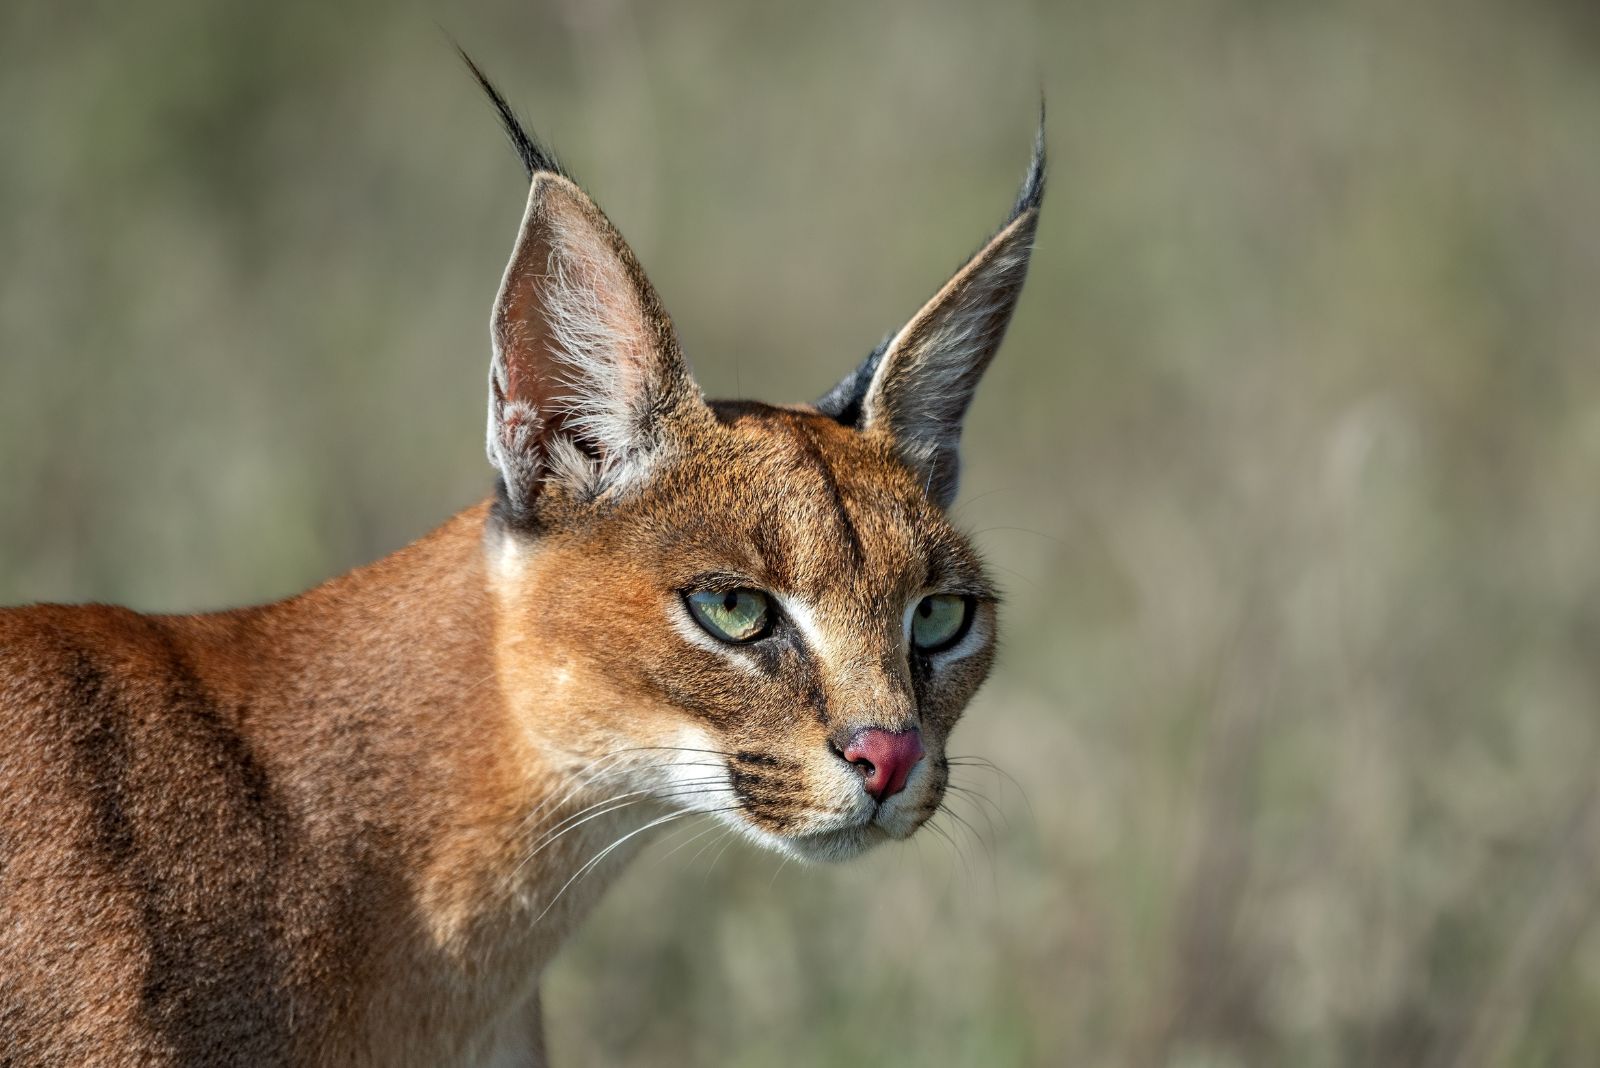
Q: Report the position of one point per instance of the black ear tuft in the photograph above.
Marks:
(843, 402)
(535, 157)
(1032, 192)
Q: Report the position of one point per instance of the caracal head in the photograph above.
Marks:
(754, 611)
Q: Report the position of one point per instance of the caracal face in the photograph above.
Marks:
(779, 596)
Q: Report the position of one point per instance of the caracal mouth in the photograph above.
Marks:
(847, 842)
(837, 844)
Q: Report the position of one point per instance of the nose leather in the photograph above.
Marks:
(884, 759)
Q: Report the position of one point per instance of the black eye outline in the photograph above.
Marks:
(969, 605)
(768, 617)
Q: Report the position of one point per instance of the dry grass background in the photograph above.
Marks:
(1289, 467)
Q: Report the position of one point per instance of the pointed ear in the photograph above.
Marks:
(917, 385)
(587, 372)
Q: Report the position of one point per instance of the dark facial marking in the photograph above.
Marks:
(817, 698)
(847, 527)
(767, 798)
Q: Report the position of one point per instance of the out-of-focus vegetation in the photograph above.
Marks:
(1291, 465)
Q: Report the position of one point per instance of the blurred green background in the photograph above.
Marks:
(1289, 467)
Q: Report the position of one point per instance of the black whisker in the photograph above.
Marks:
(984, 763)
(979, 800)
(982, 843)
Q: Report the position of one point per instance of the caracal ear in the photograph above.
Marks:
(587, 377)
(917, 386)
(587, 369)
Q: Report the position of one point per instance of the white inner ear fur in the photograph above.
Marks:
(599, 339)
(601, 352)
(598, 344)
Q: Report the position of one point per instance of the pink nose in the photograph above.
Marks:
(884, 758)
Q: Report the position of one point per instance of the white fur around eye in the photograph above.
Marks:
(695, 635)
(817, 639)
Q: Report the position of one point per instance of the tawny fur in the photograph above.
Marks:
(352, 828)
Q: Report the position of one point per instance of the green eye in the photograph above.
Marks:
(736, 616)
(938, 622)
